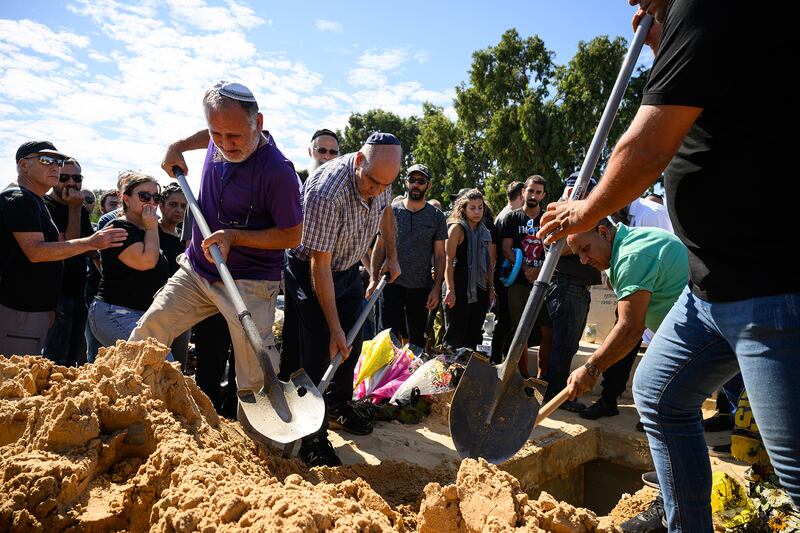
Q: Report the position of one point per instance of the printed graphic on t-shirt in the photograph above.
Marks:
(532, 247)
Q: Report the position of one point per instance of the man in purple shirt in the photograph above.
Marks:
(250, 196)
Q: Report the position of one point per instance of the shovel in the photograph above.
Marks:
(288, 450)
(494, 408)
(281, 411)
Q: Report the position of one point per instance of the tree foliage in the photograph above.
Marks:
(518, 114)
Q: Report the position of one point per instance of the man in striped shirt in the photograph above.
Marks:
(344, 205)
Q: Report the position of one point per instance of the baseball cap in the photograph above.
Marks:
(38, 147)
(422, 169)
(461, 192)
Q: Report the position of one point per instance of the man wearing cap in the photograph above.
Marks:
(344, 204)
(324, 147)
(32, 251)
(66, 343)
(567, 303)
(421, 233)
(249, 194)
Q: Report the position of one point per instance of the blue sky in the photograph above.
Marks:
(113, 82)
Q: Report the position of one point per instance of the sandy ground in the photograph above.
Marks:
(130, 444)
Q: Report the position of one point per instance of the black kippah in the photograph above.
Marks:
(383, 138)
(320, 133)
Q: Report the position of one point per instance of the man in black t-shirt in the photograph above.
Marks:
(31, 252)
(519, 232)
(65, 343)
(708, 128)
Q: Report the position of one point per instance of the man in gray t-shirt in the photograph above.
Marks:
(421, 232)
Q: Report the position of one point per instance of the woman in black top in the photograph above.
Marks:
(133, 273)
(469, 273)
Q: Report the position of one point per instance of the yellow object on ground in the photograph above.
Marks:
(375, 354)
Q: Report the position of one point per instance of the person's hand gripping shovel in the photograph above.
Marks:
(281, 411)
(494, 409)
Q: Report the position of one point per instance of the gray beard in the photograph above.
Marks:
(313, 165)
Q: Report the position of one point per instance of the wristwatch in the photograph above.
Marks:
(592, 370)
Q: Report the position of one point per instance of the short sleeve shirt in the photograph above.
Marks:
(522, 229)
(74, 279)
(652, 260)
(26, 286)
(258, 193)
(337, 219)
(125, 286)
(416, 233)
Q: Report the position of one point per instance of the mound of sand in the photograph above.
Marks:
(130, 443)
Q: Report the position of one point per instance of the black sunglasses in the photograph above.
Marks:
(324, 151)
(47, 160)
(421, 181)
(77, 178)
(89, 200)
(145, 196)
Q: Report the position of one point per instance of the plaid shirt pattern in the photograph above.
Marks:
(335, 217)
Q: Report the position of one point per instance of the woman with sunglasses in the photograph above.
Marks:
(133, 273)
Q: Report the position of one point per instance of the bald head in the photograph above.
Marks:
(377, 167)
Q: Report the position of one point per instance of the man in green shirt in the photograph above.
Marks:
(648, 268)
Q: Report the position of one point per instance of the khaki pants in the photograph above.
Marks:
(23, 332)
(188, 298)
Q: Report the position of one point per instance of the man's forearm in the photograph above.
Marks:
(268, 239)
(389, 234)
(439, 263)
(73, 229)
(378, 255)
(322, 278)
(197, 141)
(44, 251)
(619, 342)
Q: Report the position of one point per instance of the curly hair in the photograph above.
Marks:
(460, 208)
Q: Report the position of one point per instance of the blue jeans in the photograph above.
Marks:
(568, 305)
(700, 346)
(110, 322)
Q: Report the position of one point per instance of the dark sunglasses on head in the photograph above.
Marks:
(324, 151)
(145, 196)
(77, 178)
(421, 181)
(47, 160)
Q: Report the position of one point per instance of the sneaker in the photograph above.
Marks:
(599, 409)
(720, 450)
(573, 406)
(650, 479)
(348, 418)
(651, 520)
(318, 452)
(718, 422)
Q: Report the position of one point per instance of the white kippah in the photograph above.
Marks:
(236, 91)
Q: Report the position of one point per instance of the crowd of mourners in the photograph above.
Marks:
(714, 311)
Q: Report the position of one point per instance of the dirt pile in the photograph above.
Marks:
(632, 505)
(487, 499)
(130, 443)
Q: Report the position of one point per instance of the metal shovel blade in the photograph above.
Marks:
(305, 406)
(496, 439)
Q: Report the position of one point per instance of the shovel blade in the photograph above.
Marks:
(498, 438)
(305, 403)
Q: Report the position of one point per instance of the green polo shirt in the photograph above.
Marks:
(652, 260)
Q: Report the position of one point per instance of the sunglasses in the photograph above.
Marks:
(89, 200)
(46, 160)
(77, 178)
(324, 151)
(145, 196)
(421, 181)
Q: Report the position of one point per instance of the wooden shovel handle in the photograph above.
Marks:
(548, 408)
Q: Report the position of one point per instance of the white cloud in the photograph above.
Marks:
(199, 14)
(21, 34)
(387, 60)
(328, 25)
(421, 56)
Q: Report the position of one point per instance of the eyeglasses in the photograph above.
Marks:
(77, 178)
(46, 160)
(222, 218)
(89, 200)
(145, 196)
(323, 151)
(421, 181)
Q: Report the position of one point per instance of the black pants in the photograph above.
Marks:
(290, 340)
(213, 349)
(464, 321)
(312, 328)
(501, 336)
(615, 378)
(404, 311)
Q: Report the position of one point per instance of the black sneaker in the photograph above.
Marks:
(651, 520)
(720, 450)
(573, 406)
(650, 479)
(599, 409)
(345, 416)
(318, 452)
(718, 422)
